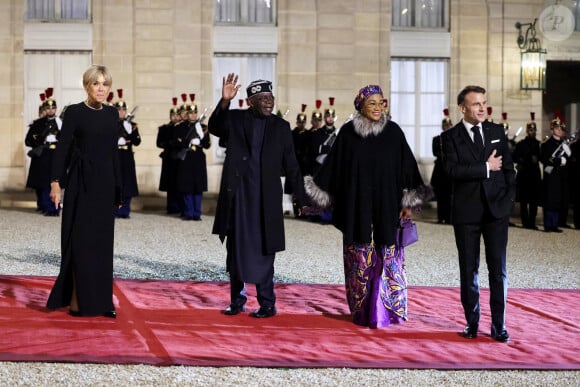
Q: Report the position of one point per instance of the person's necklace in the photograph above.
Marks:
(98, 106)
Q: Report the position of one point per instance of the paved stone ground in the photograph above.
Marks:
(154, 245)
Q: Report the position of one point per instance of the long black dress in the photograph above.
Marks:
(87, 154)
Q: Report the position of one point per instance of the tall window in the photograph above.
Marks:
(52, 10)
(428, 14)
(244, 12)
(419, 93)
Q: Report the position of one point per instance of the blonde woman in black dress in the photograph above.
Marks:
(86, 165)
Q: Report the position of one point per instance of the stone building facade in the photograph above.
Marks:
(157, 49)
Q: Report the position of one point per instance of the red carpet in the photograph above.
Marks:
(170, 323)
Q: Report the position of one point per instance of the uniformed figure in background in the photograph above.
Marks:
(555, 187)
(527, 158)
(440, 181)
(192, 138)
(301, 138)
(168, 163)
(320, 145)
(42, 137)
(323, 138)
(128, 138)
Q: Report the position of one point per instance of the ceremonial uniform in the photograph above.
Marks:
(42, 137)
(191, 138)
(527, 158)
(555, 189)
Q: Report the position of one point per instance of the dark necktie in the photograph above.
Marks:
(477, 137)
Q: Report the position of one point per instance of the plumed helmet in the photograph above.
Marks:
(317, 114)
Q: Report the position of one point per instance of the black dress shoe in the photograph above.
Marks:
(500, 335)
(75, 313)
(470, 332)
(234, 309)
(264, 312)
(110, 314)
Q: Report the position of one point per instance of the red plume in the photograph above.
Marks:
(303, 107)
(174, 100)
(331, 101)
(120, 93)
(446, 112)
(557, 114)
(110, 96)
(184, 97)
(489, 110)
(48, 92)
(318, 104)
(241, 103)
(533, 115)
(247, 101)
(42, 97)
(192, 97)
(504, 116)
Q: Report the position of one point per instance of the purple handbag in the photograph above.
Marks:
(406, 233)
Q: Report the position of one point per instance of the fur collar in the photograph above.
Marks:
(365, 127)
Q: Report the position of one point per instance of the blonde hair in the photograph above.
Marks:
(93, 72)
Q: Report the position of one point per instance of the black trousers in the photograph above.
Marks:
(467, 238)
(264, 290)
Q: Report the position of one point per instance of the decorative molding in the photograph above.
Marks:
(58, 36)
(245, 39)
(420, 44)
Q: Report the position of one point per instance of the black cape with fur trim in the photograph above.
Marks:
(367, 178)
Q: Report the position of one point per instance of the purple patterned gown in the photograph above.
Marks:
(376, 284)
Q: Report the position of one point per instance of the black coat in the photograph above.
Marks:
(277, 155)
(555, 188)
(127, 160)
(472, 190)
(191, 173)
(366, 178)
(87, 152)
(168, 163)
(41, 162)
(529, 177)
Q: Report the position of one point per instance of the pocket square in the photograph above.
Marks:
(494, 141)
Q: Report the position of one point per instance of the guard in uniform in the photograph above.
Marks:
(169, 163)
(128, 138)
(440, 181)
(555, 187)
(192, 138)
(526, 155)
(42, 137)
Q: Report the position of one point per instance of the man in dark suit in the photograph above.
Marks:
(249, 210)
(478, 161)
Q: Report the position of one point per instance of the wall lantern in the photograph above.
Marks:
(533, 64)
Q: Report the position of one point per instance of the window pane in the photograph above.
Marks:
(433, 76)
(419, 13)
(40, 9)
(259, 11)
(227, 11)
(74, 9)
(403, 76)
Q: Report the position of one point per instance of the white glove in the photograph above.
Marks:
(562, 161)
(567, 149)
(199, 129)
(128, 127)
(50, 138)
(121, 141)
(195, 141)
